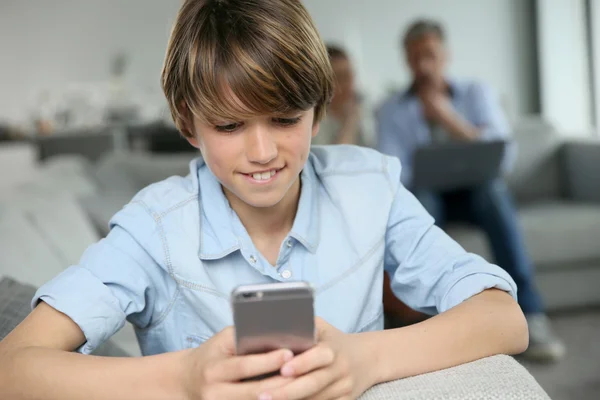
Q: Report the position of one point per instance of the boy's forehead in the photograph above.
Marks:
(229, 106)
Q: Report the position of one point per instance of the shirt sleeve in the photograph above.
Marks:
(489, 117)
(428, 270)
(116, 279)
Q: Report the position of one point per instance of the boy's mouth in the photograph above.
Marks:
(263, 176)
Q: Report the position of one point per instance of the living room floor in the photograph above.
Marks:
(578, 375)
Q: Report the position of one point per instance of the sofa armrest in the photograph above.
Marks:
(489, 378)
(581, 170)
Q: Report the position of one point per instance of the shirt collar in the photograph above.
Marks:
(308, 217)
(217, 236)
(217, 233)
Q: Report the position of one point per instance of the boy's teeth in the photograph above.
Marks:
(263, 176)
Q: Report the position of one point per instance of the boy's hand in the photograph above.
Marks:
(213, 371)
(338, 367)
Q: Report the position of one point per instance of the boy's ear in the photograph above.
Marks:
(315, 129)
(193, 141)
(188, 125)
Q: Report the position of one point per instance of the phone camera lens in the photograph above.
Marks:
(247, 295)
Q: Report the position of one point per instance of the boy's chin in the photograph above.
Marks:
(263, 201)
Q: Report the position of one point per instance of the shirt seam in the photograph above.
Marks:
(163, 316)
(161, 231)
(351, 270)
(371, 321)
(451, 286)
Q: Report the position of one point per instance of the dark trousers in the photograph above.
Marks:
(490, 207)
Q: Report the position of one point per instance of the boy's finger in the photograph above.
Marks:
(246, 390)
(318, 357)
(243, 367)
(303, 387)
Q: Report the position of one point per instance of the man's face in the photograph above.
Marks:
(344, 79)
(257, 160)
(426, 58)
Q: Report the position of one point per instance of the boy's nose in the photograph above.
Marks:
(260, 146)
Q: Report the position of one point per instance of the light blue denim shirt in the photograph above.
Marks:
(401, 127)
(177, 250)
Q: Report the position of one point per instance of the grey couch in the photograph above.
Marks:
(556, 187)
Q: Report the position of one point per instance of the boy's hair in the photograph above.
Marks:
(234, 59)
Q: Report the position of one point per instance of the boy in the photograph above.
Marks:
(248, 82)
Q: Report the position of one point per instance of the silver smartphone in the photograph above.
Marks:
(273, 316)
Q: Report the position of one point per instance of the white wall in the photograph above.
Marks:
(566, 88)
(491, 40)
(50, 43)
(47, 44)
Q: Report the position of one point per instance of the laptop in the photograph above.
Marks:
(457, 165)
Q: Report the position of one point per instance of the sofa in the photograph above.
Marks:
(556, 188)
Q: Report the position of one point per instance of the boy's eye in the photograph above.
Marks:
(286, 121)
(228, 128)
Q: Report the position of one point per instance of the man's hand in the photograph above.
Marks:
(214, 372)
(338, 367)
(438, 107)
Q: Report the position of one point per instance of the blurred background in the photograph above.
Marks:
(84, 126)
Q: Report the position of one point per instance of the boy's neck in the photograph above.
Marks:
(270, 222)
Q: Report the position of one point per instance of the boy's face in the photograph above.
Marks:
(257, 160)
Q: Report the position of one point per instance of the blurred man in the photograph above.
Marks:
(436, 109)
(347, 121)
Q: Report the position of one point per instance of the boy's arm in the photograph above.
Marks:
(431, 273)
(486, 324)
(36, 363)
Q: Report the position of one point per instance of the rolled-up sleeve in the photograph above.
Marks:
(428, 270)
(116, 279)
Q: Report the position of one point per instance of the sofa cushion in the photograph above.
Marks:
(131, 172)
(537, 171)
(556, 234)
(561, 232)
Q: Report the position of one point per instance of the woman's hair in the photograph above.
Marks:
(234, 59)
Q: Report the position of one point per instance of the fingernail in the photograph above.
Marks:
(287, 370)
(287, 355)
(265, 396)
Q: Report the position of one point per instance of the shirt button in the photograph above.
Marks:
(287, 274)
(253, 259)
(289, 243)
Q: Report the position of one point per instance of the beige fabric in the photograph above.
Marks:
(498, 377)
(330, 127)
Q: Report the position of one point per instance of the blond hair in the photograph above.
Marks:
(234, 59)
